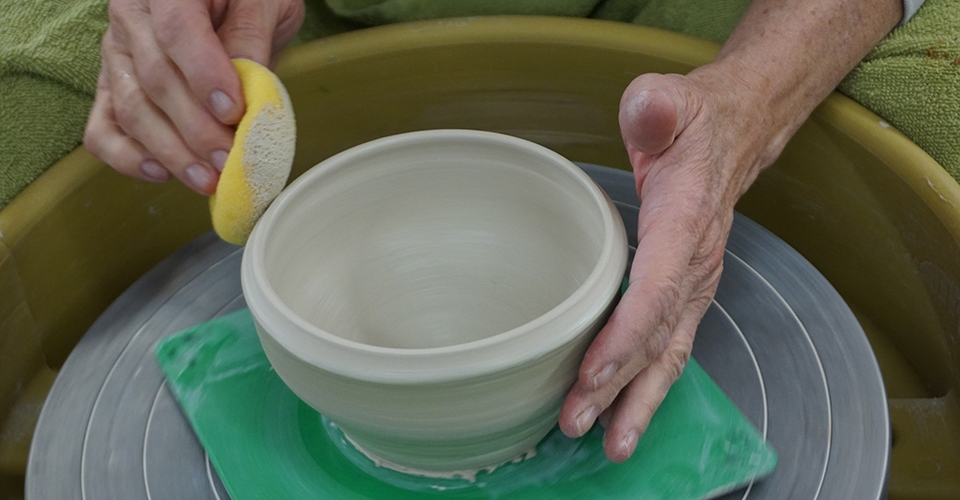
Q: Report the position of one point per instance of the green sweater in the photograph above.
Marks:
(49, 60)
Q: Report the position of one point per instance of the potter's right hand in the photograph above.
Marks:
(168, 94)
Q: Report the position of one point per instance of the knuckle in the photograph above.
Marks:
(288, 18)
(201, 132)
(126, 107)
(297, 12)
(646, 348)
(202, 141)
(92, 139)
(296, 9)
(117, 11)
(244, 28)
(153, 72)
(125, 19)
(169, 150)
(167, 27)
(667, 291)
(97, 139)
(675, 361)
(651, 346)
(207, 142)
(670, 324)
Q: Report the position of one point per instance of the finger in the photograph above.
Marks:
(140, 119)
(107, 142)
(166, 87)
(247, 30)
(185, 33)
(585, 405)
(642, 323)
(654, 109)
(290, 19)
(649, 120)
(639, 400)
(638, 329)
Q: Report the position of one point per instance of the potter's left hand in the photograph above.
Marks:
(696, 143)
(689, 170)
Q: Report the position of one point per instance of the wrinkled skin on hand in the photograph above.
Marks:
(696, 143)
(691, 164)
(167, 94)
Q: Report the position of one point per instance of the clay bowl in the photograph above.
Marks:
(432, 293)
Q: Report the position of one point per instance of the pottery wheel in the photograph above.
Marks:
(778, 339)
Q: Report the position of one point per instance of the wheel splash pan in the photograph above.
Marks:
(877, 216)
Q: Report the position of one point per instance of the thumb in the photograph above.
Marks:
(247, 30)
(654, 109)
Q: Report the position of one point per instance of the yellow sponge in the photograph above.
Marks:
(259, 163)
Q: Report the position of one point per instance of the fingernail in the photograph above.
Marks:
(219, 159)
(199, 177)
(604, 376)
(154, 171)
(221, 104)
(585, 420)
(629, 443)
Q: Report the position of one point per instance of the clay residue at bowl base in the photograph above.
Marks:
(468, 474)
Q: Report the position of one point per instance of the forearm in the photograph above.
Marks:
(787, 56)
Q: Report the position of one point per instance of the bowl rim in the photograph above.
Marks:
(321, 348)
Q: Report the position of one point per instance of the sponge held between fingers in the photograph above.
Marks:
(259, 162)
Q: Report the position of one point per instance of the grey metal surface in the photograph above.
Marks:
(778, 339)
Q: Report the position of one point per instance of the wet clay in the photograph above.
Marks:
(433, 293)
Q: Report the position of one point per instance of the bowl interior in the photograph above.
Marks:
(428, 241)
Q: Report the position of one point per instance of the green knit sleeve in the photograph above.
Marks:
(49, 61)
(912, 80)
